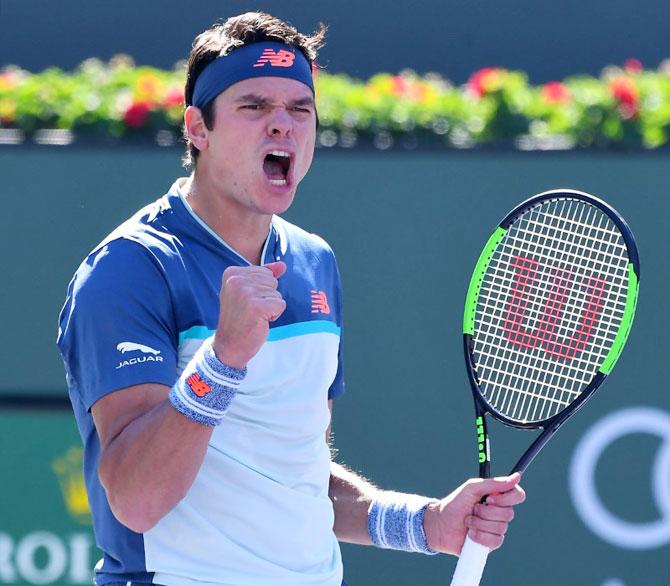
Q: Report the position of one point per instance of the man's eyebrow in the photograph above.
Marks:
(306, 101)
(256, 99)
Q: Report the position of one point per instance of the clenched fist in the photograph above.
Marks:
(249, 301)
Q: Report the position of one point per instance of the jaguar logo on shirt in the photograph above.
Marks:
(124, 347)
(148, 354)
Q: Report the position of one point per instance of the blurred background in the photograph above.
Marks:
(548, 40)
(437, 118)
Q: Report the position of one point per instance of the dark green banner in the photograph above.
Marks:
(45, 522)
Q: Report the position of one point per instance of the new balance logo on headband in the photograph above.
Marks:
(280, 58)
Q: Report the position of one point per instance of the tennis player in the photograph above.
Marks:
(201, 342)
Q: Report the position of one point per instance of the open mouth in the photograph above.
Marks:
(276, 166)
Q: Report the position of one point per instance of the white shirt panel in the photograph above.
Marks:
(269, 465)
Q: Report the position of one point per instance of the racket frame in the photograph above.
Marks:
(552, 424)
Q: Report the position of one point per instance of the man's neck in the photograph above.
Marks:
(246, 233)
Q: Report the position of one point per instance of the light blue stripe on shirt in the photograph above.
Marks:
(195, 333)
(279, 333)
(302, 328)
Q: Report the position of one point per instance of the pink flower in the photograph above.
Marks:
(633, 66)
(8, 80)
(408, 87)
(400, 85)
(555, 92)
(625, 92)
(485, 80)
(174, 98)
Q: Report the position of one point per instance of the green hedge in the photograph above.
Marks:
(625, 107)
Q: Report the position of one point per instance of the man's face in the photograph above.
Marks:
(262, 143)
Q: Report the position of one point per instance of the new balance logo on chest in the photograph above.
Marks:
(320, 302)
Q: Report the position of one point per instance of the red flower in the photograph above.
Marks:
(485, 80)
(555, 92)
(633, 65)
(625, 92)
(137, 114)
(174, 98)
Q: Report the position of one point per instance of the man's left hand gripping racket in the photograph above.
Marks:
(547, 313)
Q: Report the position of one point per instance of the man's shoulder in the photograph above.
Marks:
(299, 238)
(138, 249)
(152, 227)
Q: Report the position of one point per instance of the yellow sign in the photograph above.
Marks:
(68, 469)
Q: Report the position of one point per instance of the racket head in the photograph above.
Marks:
(549, 307)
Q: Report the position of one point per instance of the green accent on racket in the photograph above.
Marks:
(476, 280)
(482, 452)
(626, 323)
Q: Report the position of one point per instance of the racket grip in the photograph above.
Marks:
(470, 564)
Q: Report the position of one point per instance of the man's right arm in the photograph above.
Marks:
(149, 453)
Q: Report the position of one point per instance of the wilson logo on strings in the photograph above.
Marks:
(552, 313)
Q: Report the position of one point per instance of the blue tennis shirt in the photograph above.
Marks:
(137, 309)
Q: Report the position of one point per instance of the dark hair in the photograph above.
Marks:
(222, 37)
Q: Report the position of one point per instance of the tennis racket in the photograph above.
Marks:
(548, 311)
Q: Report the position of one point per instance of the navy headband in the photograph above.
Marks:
(265, 59)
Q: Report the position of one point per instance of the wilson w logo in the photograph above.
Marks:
(279, 58)
(551, 315)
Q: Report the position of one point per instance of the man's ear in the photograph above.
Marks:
(196, 129)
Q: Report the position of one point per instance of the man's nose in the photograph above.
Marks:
(280, 123)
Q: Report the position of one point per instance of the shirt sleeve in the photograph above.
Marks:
(117, 328)
(337, 387)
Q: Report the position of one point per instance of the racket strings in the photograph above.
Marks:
(554, 388)
(549, 307)
(517, 404)
(527, 385)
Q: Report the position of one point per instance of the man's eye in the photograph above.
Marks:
(252, 106)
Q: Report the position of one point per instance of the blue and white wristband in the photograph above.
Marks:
(206, 387)
(395, 521)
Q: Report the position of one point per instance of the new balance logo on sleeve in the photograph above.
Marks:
(148, 354)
